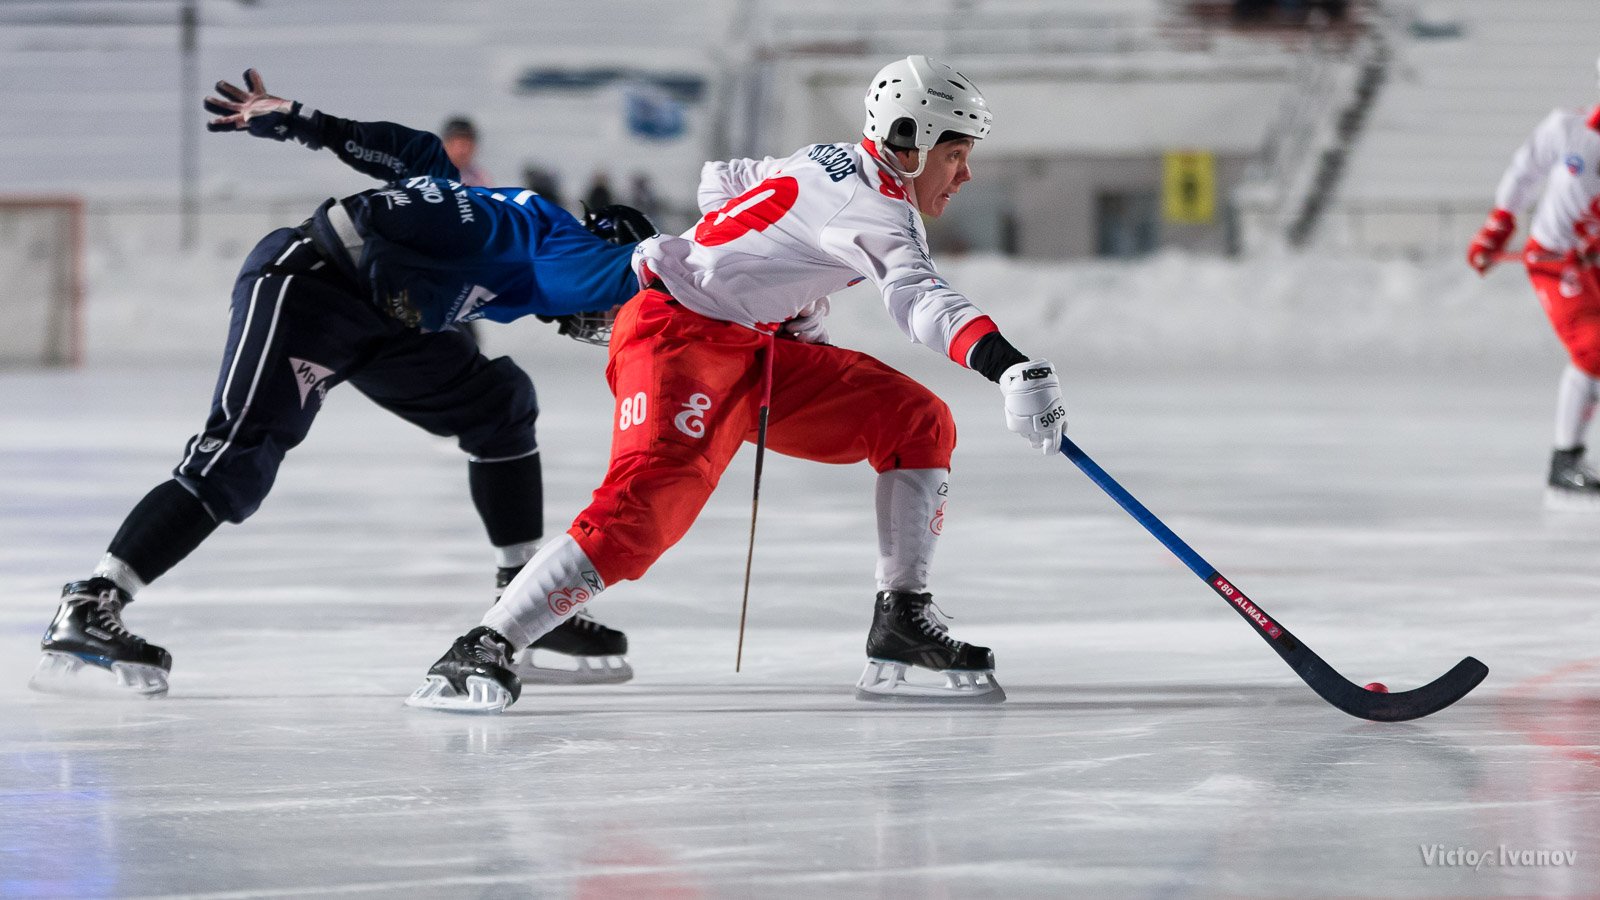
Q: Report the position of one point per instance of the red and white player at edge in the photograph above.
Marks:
(690, 359)
(1562, 252)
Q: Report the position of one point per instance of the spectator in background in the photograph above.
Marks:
(643, 196)
(1252, 10)
(599, 195)
(543, 182)
(460, 138)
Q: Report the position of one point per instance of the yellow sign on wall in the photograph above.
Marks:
(1189, 186)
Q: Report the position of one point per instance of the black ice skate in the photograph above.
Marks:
(597, 651)
(87, 649)
(474, 675)
(1572, 484)
(905, 633)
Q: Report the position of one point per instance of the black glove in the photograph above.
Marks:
(251, 109)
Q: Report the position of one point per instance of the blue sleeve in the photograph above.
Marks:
(383, 150)
(436, 252)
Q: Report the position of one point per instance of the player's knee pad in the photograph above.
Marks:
(232, 477)
(1585, 355)
(920, 434)
(226, 495)
(624, 536)
(511, 409)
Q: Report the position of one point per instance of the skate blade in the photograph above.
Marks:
(1557, 500)
(589, 669)
(484, 695)
(884, 681)
(73, 676)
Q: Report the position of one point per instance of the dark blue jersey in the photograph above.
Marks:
(433, 252)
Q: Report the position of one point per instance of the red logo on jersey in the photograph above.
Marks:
(753, 210)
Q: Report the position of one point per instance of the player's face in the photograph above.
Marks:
(941, 179)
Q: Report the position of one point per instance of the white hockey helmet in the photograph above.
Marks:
(912, 102)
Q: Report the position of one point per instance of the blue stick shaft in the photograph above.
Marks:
(1136, 509)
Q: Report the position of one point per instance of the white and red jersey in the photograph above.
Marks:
(779, 234)
(1563, 154)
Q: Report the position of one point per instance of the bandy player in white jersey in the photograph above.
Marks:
(731, 319)
(1563, 156)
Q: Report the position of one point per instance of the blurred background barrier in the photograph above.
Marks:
(1269, 133)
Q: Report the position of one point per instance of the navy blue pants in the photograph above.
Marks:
(297, 329)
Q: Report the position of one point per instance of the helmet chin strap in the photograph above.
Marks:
(887, 154)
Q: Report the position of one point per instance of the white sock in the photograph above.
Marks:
(513, 555)
(1575, 402)
(910, 517)
(547, 592)
(120, 573)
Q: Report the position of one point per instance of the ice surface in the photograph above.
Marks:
(1151, 746)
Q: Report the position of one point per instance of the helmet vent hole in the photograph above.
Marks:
(959, 85)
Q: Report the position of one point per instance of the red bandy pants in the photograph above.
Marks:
(688, 394)
(1569, 291)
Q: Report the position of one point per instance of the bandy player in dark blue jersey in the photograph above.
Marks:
(371, 290)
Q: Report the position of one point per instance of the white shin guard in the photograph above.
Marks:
(1575, 402)
(548, 591)
(910, 516)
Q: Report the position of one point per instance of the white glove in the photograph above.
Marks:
(1033, 404)
(810, 326)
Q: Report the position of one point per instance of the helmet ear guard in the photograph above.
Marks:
(902, 134)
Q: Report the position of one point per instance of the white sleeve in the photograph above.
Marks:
(721, 181)
(882, 242)
(1520, 184)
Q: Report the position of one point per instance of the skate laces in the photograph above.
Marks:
(487, 649)
(107, 615)
(583, 622)
(927, 617)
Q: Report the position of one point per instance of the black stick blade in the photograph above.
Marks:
(1401, 707)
